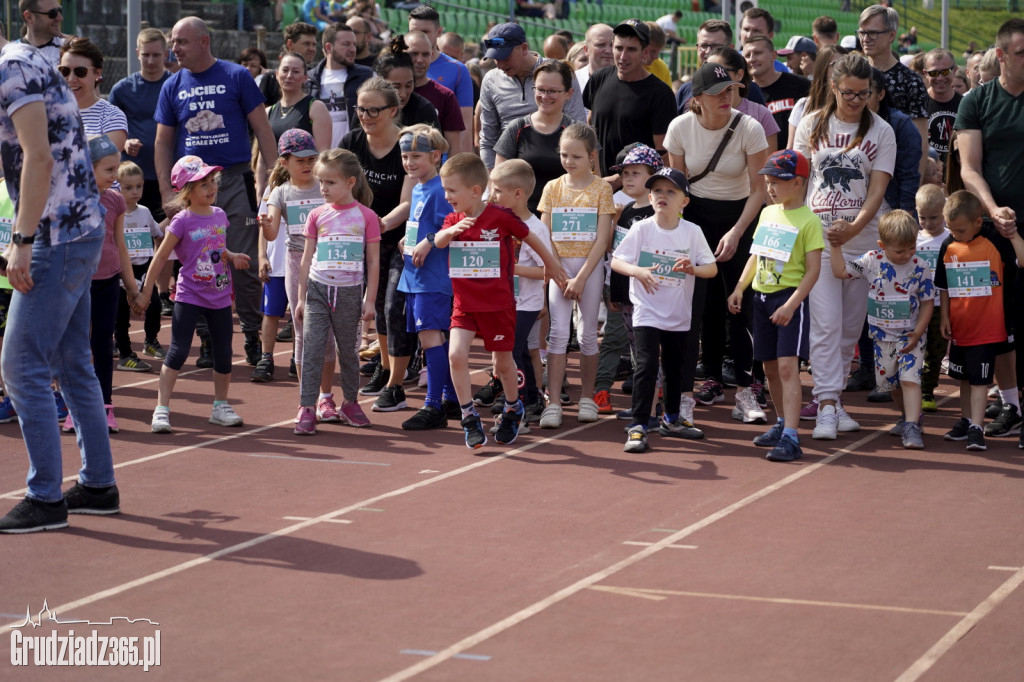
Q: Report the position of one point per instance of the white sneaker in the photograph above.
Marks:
(422, 382)
(686, 405)
(747, 410)
(828, 421)
(846, 423)
(224, 415)
(587, 411)
(551, 417)
(161, 421)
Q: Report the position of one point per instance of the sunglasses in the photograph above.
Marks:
(79, 71)
(935, 73)
(52, 14)
(500, 42)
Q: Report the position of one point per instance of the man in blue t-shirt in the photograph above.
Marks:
(451, 73)
(203, 109)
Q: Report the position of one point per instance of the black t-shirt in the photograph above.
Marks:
(618, 285)
(520, 140)
(780, 97)
(385, 177)
(626, 112)
(420, 110)
(941, 116)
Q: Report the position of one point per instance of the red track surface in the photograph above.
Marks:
(354, 554)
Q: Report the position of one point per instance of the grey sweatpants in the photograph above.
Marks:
(237, 198)
(330, 310)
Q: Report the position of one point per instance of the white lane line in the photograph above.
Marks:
(290, 530)
(155, 376)
(1004, 568)
(648, 544)
(307, 518)
(949, 640)
(425, 652)
(315, 459)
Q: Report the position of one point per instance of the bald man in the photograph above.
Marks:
(556, 47)
(361, 27)
(597, 45)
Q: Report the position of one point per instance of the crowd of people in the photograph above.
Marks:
(690, 237)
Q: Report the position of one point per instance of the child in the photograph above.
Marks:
(425, 281)
(481, 267)
(340, 236)
(140, 232)
(899, 307)
(930, 199)
(971, 274)
(578, 209)
(511, 186)
(661, 255)
(784, 265)
(114, 268)
(197, 234)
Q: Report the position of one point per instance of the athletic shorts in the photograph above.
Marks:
(974, 364)
(275, 298)
(893, 367)
(771, 341)
(497, 328)
(427, 311)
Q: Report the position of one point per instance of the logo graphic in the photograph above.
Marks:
(489, 235)
(721, 73)
(835, 172)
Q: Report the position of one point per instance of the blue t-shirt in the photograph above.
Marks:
(137, 98)
(209, 110)
(453, 75)
(72, 208)
(427, 212)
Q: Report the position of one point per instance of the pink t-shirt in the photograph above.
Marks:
(205, 276)
(110, 259)
(341, 234)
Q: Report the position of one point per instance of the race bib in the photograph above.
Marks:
(340, 252)
(775, 241)
(969, 278)
(620, 234)
(6, 232)
(663, 261)
(412, 236)
(296, 212)
(929, 256)
(891, 312)
(137, 239)
(515, 285)
(474, 260)
(570, 225)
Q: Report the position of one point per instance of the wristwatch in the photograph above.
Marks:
(18, 239)
(430, 238)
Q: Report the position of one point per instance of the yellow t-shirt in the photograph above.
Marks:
(574, 214)
(660, 69)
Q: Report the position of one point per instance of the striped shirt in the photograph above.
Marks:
(103, 117)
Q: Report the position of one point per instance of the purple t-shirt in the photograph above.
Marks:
(205, 276)
(110, 258)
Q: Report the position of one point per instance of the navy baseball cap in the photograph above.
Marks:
(673, 175)
(636, 29)
(502, 39)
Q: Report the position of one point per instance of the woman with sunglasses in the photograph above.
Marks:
(81, 64)
(375, 143)
(852, 153)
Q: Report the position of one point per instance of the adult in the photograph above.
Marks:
(973, 64)
(781, 90)
(821, 86)
(417, 45)
(395, 66)
(627, 104)
(852, 153)
(555, 47)
(943, 100)
(336, 79)
(361, 28)
(375, 142)
(653, 63)
(800, 53)
(901, 192)
(81, 64)
(711, 34)
(726, 198)
(255, 61)
(452, 45)
(136, 95)
(43, 19)
(670, 25)
(507, 91)
(207, 108)
(451, 73)
(57, 237)
(534, 138)
(825, 31)
(597, 46)
(297, 108)
(757, 21)
(739, 71)
(299, 37)
(577, 57)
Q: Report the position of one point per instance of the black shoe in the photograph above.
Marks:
(1006, 424)
(377, 382)
(427, 418)
(391, 399)
(475, 436)
(82, 499)
(625, 368)
(627, 386)
(534, 410)
(487, 395)
(498, 407)
(166, 305)
(993, 409)
(30, 516)
(253, 349)
(699, 373)
(451, 410)
(959, 430)
(205, 360)
(877, 396)
(368, 368)
(264, 369)
(976, 439)
(861, 380)
(286, 334)
(412, 375)
(293, 371)
(508, 424)
(729, 373)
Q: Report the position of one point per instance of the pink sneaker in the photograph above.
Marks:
(353, 415)
(810, 410)
(69, 426)
(111, 421)
(305, 422)
(326, 410)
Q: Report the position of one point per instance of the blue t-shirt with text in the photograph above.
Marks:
(428, 208)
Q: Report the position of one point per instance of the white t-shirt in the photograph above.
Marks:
(332, 93)
(670, 307)
(141, 219)
(531, 291)
(582, 76)
(729, 181)
(839, 179)
(928, 250)
(667, 23)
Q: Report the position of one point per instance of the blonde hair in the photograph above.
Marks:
(898, 228)
(183, 199)
(962, 204)
(930, 196)
(434, 136)
(346, 164)
(150, 35)
(515, 174)
(583, 133)
(129, 169)
(467, 167)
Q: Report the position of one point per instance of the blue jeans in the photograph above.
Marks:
(47, 336)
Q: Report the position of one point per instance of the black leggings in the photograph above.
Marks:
(220, 326)
(525, 320)
(151, 322)
(103, 294)
(672, 345)
(390, 303)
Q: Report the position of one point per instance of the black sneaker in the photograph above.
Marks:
(132, 363)
(728, 373)
(166, 305)
(498, 407)
(710, 393)
(264, 371)
(959, 430)
(368, 368)
(1006, 424)
(293, 371)
(699, 373)
(377, 382)
(286, 334)
(83, 499)
(486, 396)
(534, 410)
(153, 349)
(976, 439)
(508, 424)
(30, 516)
(993, 409)
(205, 359)
(475, 436)
(390, 399)
(877, 396)
(412, 375)
(627, 386)
(426, 419)
(861, 380)
(624, 370)
(253, 348)
(451, 409)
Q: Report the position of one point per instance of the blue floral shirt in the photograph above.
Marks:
(73, 205)
(895, 293)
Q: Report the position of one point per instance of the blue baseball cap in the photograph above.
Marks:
(673, 175)
(502, 39)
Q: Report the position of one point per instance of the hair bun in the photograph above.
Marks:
(397, 44)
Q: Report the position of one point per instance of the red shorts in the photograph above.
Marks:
(496, 327)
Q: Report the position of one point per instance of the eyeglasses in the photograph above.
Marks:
(851, 95)
(935, 73)
(52, 14)
(704, 47)
(548, 93)
(370, 112)
(79, 71)
(871, 35)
